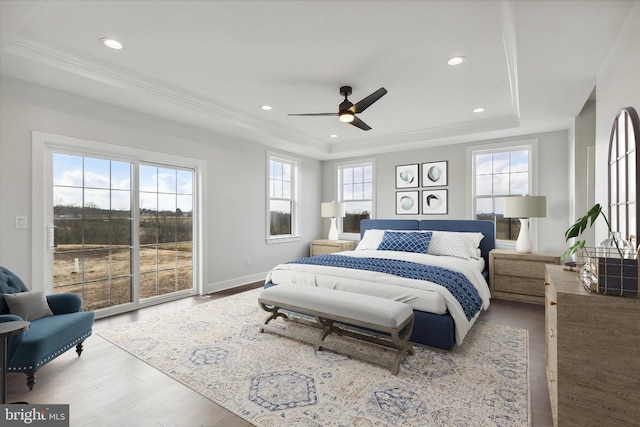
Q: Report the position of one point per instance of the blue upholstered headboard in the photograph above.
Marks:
(388, 224)
(488, 228)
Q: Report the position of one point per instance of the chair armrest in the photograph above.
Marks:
(10, 318)
(64, 303)
(13, 341)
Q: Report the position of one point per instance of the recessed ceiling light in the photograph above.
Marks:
(113, 44)
(478, 110)
(333, 135)
(267, 107)
(456, 60)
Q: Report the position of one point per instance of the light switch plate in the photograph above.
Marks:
(22, 222)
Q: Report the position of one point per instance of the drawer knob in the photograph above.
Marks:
(547, 284)
(553, 303)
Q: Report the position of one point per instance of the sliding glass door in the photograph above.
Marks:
(122, 231)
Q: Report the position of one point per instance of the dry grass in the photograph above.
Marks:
(104, 277)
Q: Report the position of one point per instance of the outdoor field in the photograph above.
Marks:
(107, 272)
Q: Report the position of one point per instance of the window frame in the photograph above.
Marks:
(295, 198)
(623, 200)
(44, 144)
(339, 194)
(529, 144)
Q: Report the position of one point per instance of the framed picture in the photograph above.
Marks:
(407, 176)
(434, 174)
(407, 202)
(434, 202)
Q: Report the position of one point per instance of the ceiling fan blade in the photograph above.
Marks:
(360, 124)
(313, 114)
(362, 105)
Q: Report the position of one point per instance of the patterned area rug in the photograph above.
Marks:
(215, 349)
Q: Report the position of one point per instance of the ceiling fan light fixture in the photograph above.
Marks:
(111, 43)
(346, 117)
(456, 60)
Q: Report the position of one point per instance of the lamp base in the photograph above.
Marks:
(524, 244)
(333, 231)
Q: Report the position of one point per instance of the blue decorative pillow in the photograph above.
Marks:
(405, 242)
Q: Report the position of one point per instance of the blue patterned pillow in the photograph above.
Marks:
(405, 242)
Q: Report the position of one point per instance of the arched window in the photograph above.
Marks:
(624, 156)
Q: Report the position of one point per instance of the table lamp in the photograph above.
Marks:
(525, 207)
(332, 210)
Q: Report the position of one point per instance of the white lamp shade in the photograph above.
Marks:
(525, 207)
(332, 210)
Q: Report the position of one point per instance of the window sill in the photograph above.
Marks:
(283, 239)
(505, 244)
(349, 236)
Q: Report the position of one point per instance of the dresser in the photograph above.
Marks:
(518, 276)
(592, 354)
(325, 246)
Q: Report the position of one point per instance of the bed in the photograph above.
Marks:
(453, 251)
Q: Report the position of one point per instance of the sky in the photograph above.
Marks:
(107, 184)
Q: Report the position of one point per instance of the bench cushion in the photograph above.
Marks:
(359, 307)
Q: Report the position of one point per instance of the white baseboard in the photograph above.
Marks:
(234, 283)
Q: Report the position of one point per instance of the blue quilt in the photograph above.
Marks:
(456, 283)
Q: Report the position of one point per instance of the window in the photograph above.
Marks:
(355, 189)
(623, 178)
(166, 230)
(499, 173)
(93, 229)
(282, 209)
(121, 226)
(94, 224)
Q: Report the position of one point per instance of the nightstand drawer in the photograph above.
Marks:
(519, 276)
(520, 268)
(325, 246)
(324, 249)
(520, 285)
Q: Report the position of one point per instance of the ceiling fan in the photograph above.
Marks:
(347, 111)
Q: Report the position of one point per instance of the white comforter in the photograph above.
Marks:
(420, 294)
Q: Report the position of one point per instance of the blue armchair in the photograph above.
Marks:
(47, 337)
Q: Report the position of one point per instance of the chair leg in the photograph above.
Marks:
(79, 348)
(31, 380)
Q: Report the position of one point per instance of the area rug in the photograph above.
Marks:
(269, 380)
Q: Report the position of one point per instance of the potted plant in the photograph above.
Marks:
(581, 224)
(603, 273)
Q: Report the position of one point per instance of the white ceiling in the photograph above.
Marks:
(212, 64)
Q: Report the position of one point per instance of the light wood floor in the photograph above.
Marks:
(107, 386)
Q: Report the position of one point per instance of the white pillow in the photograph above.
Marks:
(370, 240)
(28, 305)
(454, 243)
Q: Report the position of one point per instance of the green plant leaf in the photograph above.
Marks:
(573, 249)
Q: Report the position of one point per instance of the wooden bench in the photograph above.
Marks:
(392, 319)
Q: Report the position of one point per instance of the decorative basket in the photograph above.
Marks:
(602, 270)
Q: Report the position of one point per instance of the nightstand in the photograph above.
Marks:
(325, 246)
(517, 276)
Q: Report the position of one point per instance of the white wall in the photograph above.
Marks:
(584, 137)
(617, 86)
(236, 173)
(552, 183)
